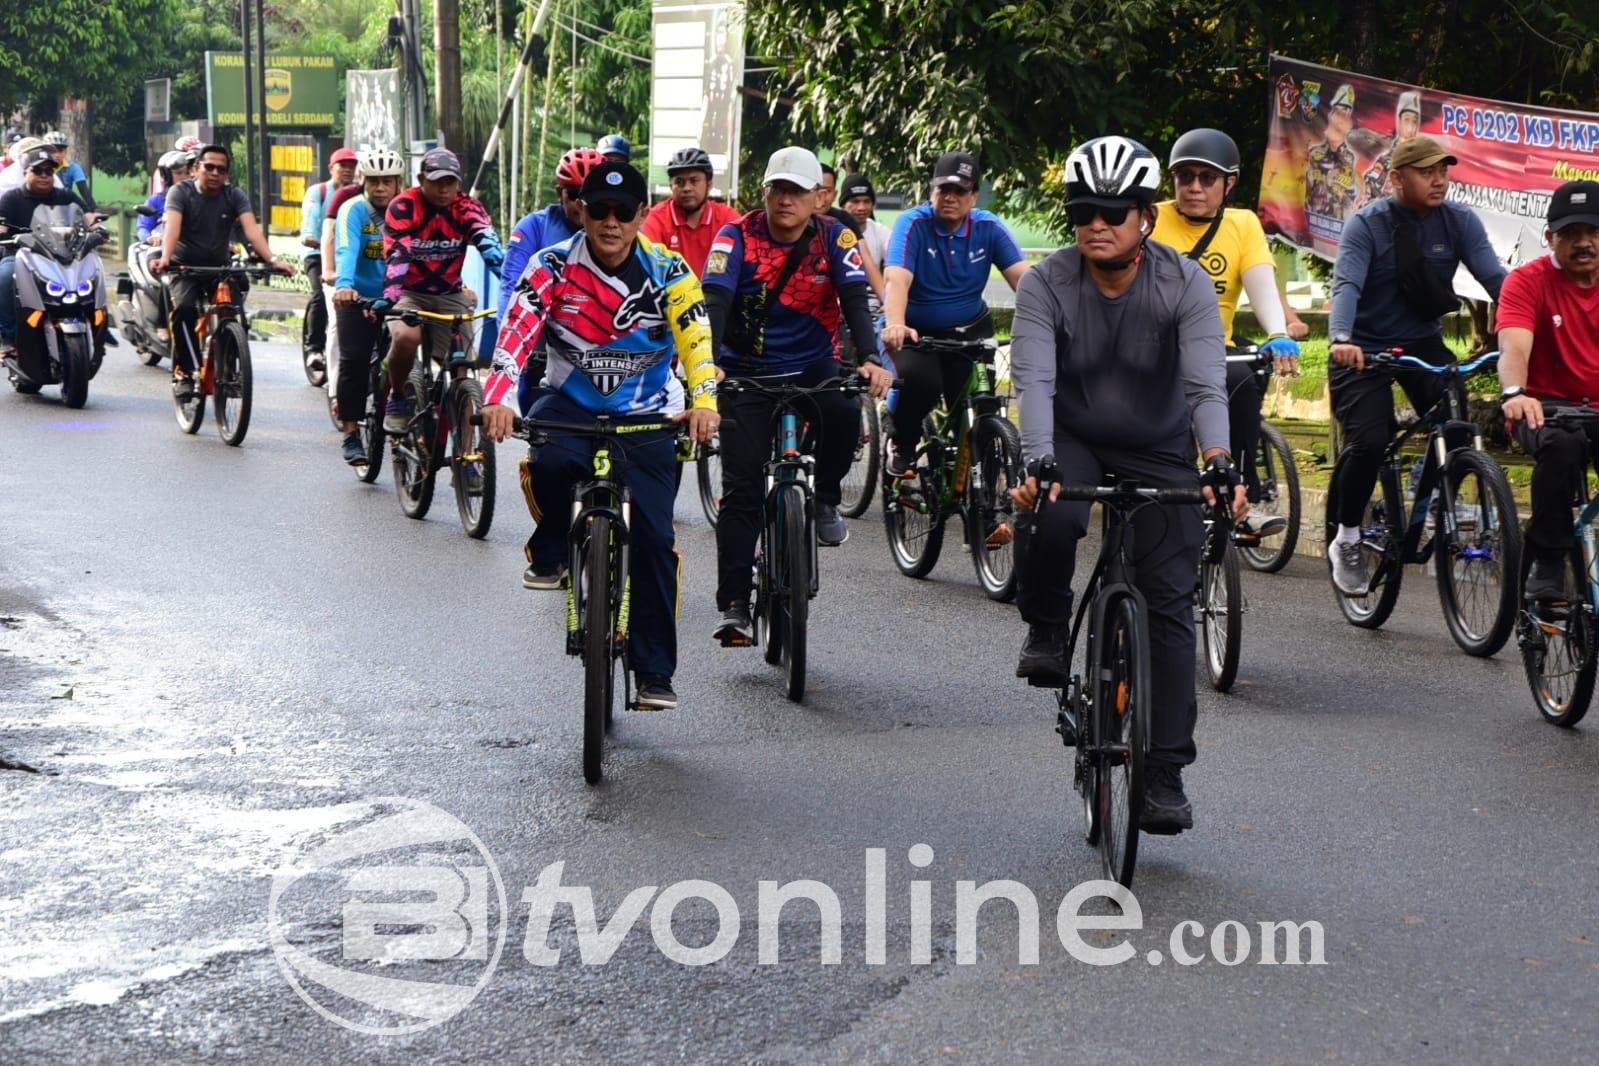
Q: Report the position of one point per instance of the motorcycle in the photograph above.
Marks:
(141, 307)
(61, 318)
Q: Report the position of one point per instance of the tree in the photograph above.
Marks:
(98, 49)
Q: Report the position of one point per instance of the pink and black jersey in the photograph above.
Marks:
(425, 246)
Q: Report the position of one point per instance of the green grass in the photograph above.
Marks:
(120, 190)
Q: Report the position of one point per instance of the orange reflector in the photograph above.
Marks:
(99, 317)
(224, 294)
(1121, 698)
(35, 318)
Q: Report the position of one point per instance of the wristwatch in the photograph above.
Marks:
(1342, 338)
(1512, 392)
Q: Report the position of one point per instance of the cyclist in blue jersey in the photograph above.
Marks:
(69, 173)
(358, 273)
(939, 259)
(555, 224)
(774, 284)
(313, 209)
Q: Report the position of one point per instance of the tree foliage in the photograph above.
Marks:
(90, 48)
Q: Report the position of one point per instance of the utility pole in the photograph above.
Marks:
(447, 69)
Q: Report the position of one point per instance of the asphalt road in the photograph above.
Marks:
(218, 657)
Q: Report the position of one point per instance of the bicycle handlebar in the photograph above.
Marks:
(1569, 414)
(857, 385)
(528, 428)
(413, 316)
(247, 269)
(1131, 492)
(968, 348)
(1398, 358)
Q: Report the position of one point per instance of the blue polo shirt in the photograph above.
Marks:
(951, 269)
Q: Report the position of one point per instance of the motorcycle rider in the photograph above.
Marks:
(38, 189)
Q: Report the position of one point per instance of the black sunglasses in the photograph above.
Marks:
(214, 168)
(1083, 214)
(1206, 178)
(605, 209)
(43, 169)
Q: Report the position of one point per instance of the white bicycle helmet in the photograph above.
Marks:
(380, 163)
(1112, 170)
(55, 139)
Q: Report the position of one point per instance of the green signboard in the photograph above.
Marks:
(301, 91)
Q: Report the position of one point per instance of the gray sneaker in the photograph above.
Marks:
(830, 529)
(1349, 573)
(541, 581)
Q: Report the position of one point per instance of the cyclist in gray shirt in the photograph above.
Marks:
(1118, 356)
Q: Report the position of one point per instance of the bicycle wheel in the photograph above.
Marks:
(770, 608)
(996, 469)
(233, 383)
(312, 361)
(1122, 707)
(1221, 630)
(414, 468)
(1558, 647)
(795, 592)
(708, 471)
(860, 481)
(599, 673)
(1279, 497)
(372, 435)
(1381, 542)
(472, 466)
(191, 412)
(913, 515)
(1478, 564)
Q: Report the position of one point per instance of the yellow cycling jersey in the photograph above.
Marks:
(1239, 245)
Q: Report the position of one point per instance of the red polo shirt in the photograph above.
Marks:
(1564, 320)
(665, 225)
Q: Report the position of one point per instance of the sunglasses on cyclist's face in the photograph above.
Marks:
(1083, 214)
(44, 170)
(1205, 178)
(214, 168)
(605, 209)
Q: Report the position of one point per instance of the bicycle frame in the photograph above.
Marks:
(952, 427)
(605, 495)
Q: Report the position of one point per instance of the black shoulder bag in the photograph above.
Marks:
(1418, 284)
(748, 334)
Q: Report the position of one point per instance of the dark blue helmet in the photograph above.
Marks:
(615, 144)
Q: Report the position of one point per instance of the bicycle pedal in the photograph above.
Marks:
(470, 457)
(1001, 535)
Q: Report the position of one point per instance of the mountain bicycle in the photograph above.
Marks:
(313, 361)
(597, 596)
(1219, 601)
(441, 431)
(1279, 481)
(224, 375)
(1464, 511)
(1104, 709)
(786, 577)
(969, 460)
(1558, 639)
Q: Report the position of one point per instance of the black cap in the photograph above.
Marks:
(956, 168)
(855, 185)
(34, 156)
(1574, 203)
(441, 163)
(614, 182)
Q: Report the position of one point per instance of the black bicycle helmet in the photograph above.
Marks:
(1210, 147)
(689, 159)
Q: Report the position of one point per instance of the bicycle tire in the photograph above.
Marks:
(996, 458)
(371, 426)
(317, 378)
(416, 473)
(796, 588)
(1382, 515)
(1279, 495)
(1122, 707)
(915, 521)
(234, 381)
(708, 474)
(75, 373)
(191, 413)
(599, 673)
(860, 481)
(1221, 598)
(1496, 539)
(476, 518)
(1567, 636)
(770, 608)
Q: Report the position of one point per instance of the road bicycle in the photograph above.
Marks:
(1464, 520)
(224, 375)
(1104, 707)
(969, 460)
(1558, 638)
(441, 431)
(786, 576)
(598, 550)
(1279, 481)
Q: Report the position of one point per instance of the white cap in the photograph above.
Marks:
(796, 165)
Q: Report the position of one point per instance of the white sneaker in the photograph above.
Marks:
(1349, 573)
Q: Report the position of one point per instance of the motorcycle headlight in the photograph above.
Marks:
(85, 288)
(69, 299)
(55, 289)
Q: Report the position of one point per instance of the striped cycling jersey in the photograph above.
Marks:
(610, 335)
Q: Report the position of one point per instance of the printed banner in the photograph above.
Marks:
(372, 109)
(294, 169)
(1333, 133)
(698, 67)
(301, 90)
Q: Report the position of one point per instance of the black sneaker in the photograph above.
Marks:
(183, 387)
(544, 580)
(1167, 811)
(655, 693)
(830, 528)
(735, 630)
(901, 464)
(354, 450)
(1043, 660)
(1546, 580)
